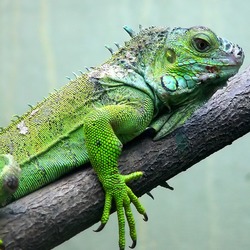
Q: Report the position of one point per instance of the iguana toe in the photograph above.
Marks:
(133, 244)
(2, 247)
(102, 225)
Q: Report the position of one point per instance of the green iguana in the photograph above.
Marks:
(156, 80)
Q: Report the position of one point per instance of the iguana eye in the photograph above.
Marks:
(201, 44)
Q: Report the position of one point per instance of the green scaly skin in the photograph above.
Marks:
(157, 79)
(1, 245)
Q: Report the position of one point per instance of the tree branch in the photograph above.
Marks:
(51, 215)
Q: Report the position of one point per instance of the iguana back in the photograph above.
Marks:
(48, 135)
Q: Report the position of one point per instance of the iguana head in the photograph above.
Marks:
(9, 177)
(172, 65)
(186, 61)
(179, 68)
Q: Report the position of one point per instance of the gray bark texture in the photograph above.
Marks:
(52, 215)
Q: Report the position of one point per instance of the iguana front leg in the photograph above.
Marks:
(105, 130)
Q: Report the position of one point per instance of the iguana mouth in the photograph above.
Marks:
(229, 66)
(217, 73)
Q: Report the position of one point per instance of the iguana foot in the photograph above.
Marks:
(116, 189)
(2, 247)
(9, 177)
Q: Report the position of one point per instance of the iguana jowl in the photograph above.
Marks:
(157, 79)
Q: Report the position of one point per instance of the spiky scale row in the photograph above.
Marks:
(117, 45)
(130, 31)
(109, 49)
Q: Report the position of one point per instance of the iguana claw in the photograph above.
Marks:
(145, 217)
(165, 185)
(102, 225)
(150, 195)
(133, 244)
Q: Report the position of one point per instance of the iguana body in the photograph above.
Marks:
(90, 118)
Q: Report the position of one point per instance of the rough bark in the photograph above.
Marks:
(48, 217)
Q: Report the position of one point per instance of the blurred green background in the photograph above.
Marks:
(43, 41)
